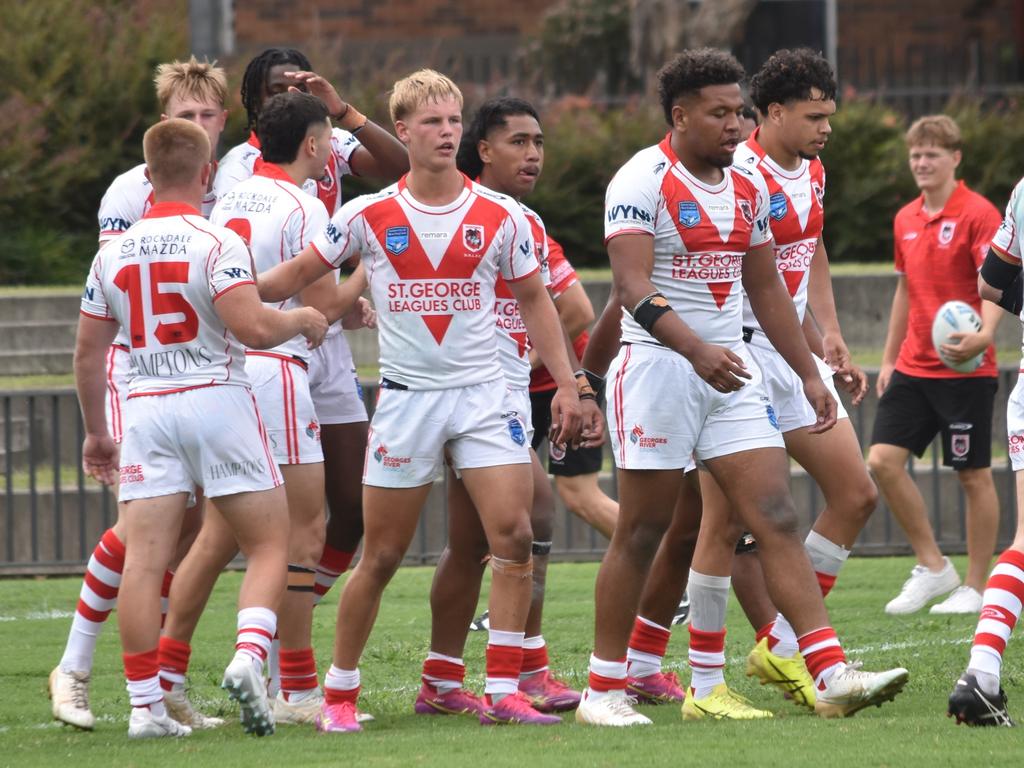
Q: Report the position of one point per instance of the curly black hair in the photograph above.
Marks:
(791, 75)
(692, 70)
(255, 77)
(492, 114)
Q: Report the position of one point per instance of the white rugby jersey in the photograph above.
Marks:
(240, 163)
(277, 220)
(701, 234)
(159, 280)
(513, 343)
(797, 217)
(432, 272)
(1007, 239)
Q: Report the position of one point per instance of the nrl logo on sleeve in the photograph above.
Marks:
(396, 239)
(689, 214)
(779, 206)
(946, 232)
(746, 210)
(473, 236)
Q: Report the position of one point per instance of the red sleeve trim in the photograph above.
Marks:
(613, 235)
(97, 317)
(322, 257)
(232, 287)
(1009, 255)
(522, 277)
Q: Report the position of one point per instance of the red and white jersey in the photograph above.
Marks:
(159, 280)
(128, 198)
(277, 220)
(701, 234)
(240, 163)
(797, 216)
(513, 344)
(432, 272)
(562, 277)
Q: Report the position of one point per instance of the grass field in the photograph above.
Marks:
(909, 732)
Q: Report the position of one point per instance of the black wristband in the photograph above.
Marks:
(1012, 299)
(596, 382)
(588, 396)
(649, 309)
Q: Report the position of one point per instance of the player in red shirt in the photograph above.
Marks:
(941, 239)
(192, 418)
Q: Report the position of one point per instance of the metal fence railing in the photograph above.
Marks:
(52, 515)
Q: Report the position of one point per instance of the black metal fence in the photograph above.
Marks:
(52, 515)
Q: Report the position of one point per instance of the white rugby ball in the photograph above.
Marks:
(956, 317)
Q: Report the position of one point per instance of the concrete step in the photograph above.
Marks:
(39, 305)
(30, 335)
(35, 362)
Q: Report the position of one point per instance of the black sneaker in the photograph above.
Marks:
(971, 705)
(682, 614)
(480, 623)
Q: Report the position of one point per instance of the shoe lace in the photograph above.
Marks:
(621, 705)
(554, 684)
(80, 690)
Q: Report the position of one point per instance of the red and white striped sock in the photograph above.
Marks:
(535, 656)
(504, 661)
(95, 601)
(606, 677)
(647, 646)
(1001, 608)
(165, 595)
(298, 674)
(333, 563)
(256, 627)
(143, 675)
(341, 685)
(707, 661)
(823, 654)
(173, 661)
(443, 674)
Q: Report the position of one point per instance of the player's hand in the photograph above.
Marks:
(312, 83)
(851, 378)
(592, 432)
(964, 346)
(824, 405)
(722, 368)
(362, 315)
(100, 456)
(565, 416)
(314, 326)
(884, 377)
(836, 354)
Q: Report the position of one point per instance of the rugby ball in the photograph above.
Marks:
(956, 317)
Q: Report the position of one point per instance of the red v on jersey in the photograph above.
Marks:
(468, 241)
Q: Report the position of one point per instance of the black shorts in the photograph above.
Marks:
(571, 462)
(914, 409)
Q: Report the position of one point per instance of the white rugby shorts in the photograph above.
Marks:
(118, 362)
(662, 415)
(785, 390)
(333, 383)
(481, 425)
(281, 387)
(206, 437)
(1015, 425)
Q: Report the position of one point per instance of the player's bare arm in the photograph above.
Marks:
(632, 260)
(381, 155)
(775, 312)
(547, 336)
(897, 332)
(362, 315)
(335, 300)
(260, 327)
(604, 339)
(292, 276)
(99, 452)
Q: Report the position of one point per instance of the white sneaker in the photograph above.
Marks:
(851, 689)
(962, 600)
(180, 708)
(922, 586)
(69, 692)
(297, 712)
(143, 724)
(615, 709)
(244, 684)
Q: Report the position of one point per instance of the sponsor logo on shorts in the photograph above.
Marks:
(643, 441)
(516, 430)
(961, 426)
(387, 461)
(773, 419)
(313, 430)
(556, 452)
(131, 473)
(244, 468)
(960, 445)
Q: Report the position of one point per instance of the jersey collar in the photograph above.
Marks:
(170, 208)
(273, 171)
(254, 140)
(754, 144)
(952, 209)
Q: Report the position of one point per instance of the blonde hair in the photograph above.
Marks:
(199, 80)
(175, 152)
(422, 86)
(939, 130)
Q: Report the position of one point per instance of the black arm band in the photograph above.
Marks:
(596, 382)
(1013, 295)
(998, 273)
(649, 309)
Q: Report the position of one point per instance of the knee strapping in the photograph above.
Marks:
(301, 578)
(515, 569)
